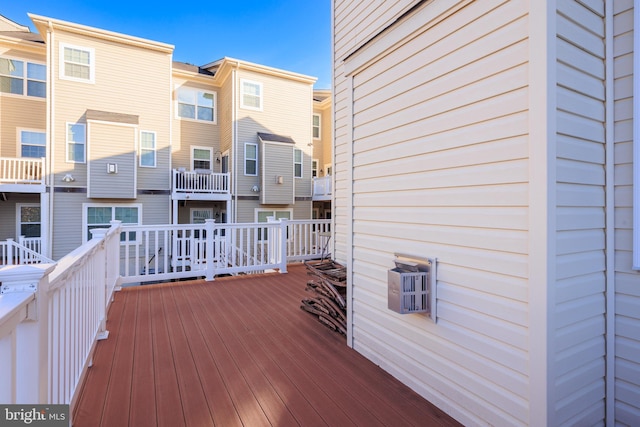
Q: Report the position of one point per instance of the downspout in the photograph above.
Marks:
(609, 218)
(234, 147)
(50, 129)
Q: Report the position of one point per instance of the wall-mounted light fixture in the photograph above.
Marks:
(112, 168)
(68, 178)
(255, 188)
(279, 179)
(218, 156)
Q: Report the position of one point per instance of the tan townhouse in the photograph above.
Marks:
(106, 126)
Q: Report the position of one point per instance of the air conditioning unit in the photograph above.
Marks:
(411, 286)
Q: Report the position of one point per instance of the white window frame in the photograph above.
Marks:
(21, 143)
(25, 78)
(274, 213)
(328, 169)
(19, 223)
(67, 142)
(153, 150)
(260, 95)
(314, 168)
(193, 159)
(301, 163)
(636, 137)
(314, 127)
(193, 210)
(91, 65)
(85, 219)
(252, 159)
(196, 92)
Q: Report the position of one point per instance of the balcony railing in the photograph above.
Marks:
(322, 188)
(200, 182)
(51, 315)
(27, 251)
(21, 171)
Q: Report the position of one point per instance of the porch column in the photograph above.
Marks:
(174, 214)
(45, 247)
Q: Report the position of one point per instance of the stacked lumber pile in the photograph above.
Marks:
(328, 284)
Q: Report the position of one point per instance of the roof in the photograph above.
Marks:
(7, 24)
(271, 137)
(107, 116)
(192, 68)
(23, 35)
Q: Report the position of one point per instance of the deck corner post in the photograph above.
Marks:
(209, 225)
(284, 224)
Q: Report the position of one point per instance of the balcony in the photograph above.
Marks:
(235, 351)
(22, 175)
(322, 188)
(200, 185)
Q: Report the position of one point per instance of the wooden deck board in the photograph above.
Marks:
(236, 351)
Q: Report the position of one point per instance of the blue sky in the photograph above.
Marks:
(293, 35)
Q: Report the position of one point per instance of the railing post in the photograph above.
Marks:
(209, 225)
(113, 259)
(10, 252)
(283, 244)
(32, 374)
(100, 261)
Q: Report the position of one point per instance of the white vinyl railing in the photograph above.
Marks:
(204, 182)
(51, 316)
(322, 187)
(308, 239)
(21, 170)
(25, 252)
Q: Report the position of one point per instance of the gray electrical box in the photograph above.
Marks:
(410, 286)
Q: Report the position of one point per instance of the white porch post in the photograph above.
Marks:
(31, 334)
(283, 244)
(174, 215)
(45, 248)
(209, 225)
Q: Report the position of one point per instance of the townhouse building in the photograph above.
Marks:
(97, 126)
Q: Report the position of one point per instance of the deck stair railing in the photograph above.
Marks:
(51, 316)
(25, 252)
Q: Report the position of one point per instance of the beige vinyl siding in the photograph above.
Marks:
(128, 80)
(225, 117)
(580, 191)
(115, 144)
(627, 319)
(440, 169)
(287, 109)
(19, 112)
(68, 216)
(188, 133)
(276, 160)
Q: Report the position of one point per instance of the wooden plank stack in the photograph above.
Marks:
(328, 284)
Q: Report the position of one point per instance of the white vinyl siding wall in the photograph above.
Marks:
(627, 320)
(440, 169)
(579, 330)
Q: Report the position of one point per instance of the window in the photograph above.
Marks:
(328, 168)
(32, 144)
(22, 78)
(77, 63)
(316, 126)
(314, 168)
(201, 158)
(297, 163)
(199, 215)
(250, 95)
(197, 105)
(76, 142)
(148, 149)
(100, 216)
(251, 159)
(28, 220)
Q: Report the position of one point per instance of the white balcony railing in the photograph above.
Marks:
(200, 182)
(21, 170)
(50, 318)
(322, 188)
(25, 252)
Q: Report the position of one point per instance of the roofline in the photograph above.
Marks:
(246, 65)
(194, 76)
(28, 45)
(19, 27)
(44, 23)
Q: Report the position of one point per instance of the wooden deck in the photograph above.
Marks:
(236, 352)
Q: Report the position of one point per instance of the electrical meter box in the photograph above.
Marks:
(410, 286)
